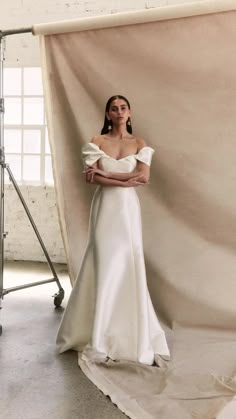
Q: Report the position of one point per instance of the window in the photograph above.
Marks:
(25, 129)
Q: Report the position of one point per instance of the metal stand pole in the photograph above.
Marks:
(1, 174)
(58, 297)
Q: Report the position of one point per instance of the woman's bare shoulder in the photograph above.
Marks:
(97, 139)
(140, 143)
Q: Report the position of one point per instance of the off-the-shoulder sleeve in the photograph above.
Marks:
(145, 155)
(91, 153)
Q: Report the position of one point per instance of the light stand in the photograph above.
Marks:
(58, 297)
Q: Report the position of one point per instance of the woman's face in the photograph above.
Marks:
(119, 112)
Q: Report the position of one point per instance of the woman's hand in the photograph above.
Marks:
(141, 178)
(135, 181)
(90, 172)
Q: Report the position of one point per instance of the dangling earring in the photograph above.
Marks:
(109, 125)
(129, 122)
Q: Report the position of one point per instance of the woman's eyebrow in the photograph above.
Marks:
(116, 107)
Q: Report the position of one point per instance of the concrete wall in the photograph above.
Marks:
(23, 50)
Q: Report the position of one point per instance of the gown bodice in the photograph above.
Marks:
(92, 153)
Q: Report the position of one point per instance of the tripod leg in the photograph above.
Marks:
(60, 295)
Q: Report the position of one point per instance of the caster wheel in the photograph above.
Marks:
(57, 301)
(58, 298)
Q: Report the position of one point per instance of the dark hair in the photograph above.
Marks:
(105, 129)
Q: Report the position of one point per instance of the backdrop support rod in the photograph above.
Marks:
(15, 31)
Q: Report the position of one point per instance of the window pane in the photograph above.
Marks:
(12, 111)
(31, 141)
(14, 162)
(12, 140)
(33, 111)
(48, 170)
(33, 81)
(12, 81)
(31, 168)
(47, 146)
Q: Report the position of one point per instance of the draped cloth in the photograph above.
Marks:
(179, 75)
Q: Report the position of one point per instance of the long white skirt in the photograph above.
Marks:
(110, 313)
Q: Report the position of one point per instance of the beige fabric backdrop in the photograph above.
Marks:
(180, 78)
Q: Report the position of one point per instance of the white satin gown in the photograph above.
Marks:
(109, 313)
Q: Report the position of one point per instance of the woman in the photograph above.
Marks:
(110, 313)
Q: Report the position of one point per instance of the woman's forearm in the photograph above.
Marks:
(139, 175)
(142, 175)
(100, 180)
(122, 176)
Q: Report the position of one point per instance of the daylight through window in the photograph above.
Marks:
(25, 128)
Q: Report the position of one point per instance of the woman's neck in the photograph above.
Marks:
(119, 132)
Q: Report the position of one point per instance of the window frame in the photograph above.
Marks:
(43, 154)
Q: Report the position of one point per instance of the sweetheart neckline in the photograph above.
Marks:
(122, 158)
(113, 158)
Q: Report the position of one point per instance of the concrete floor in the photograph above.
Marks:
(35, 382)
